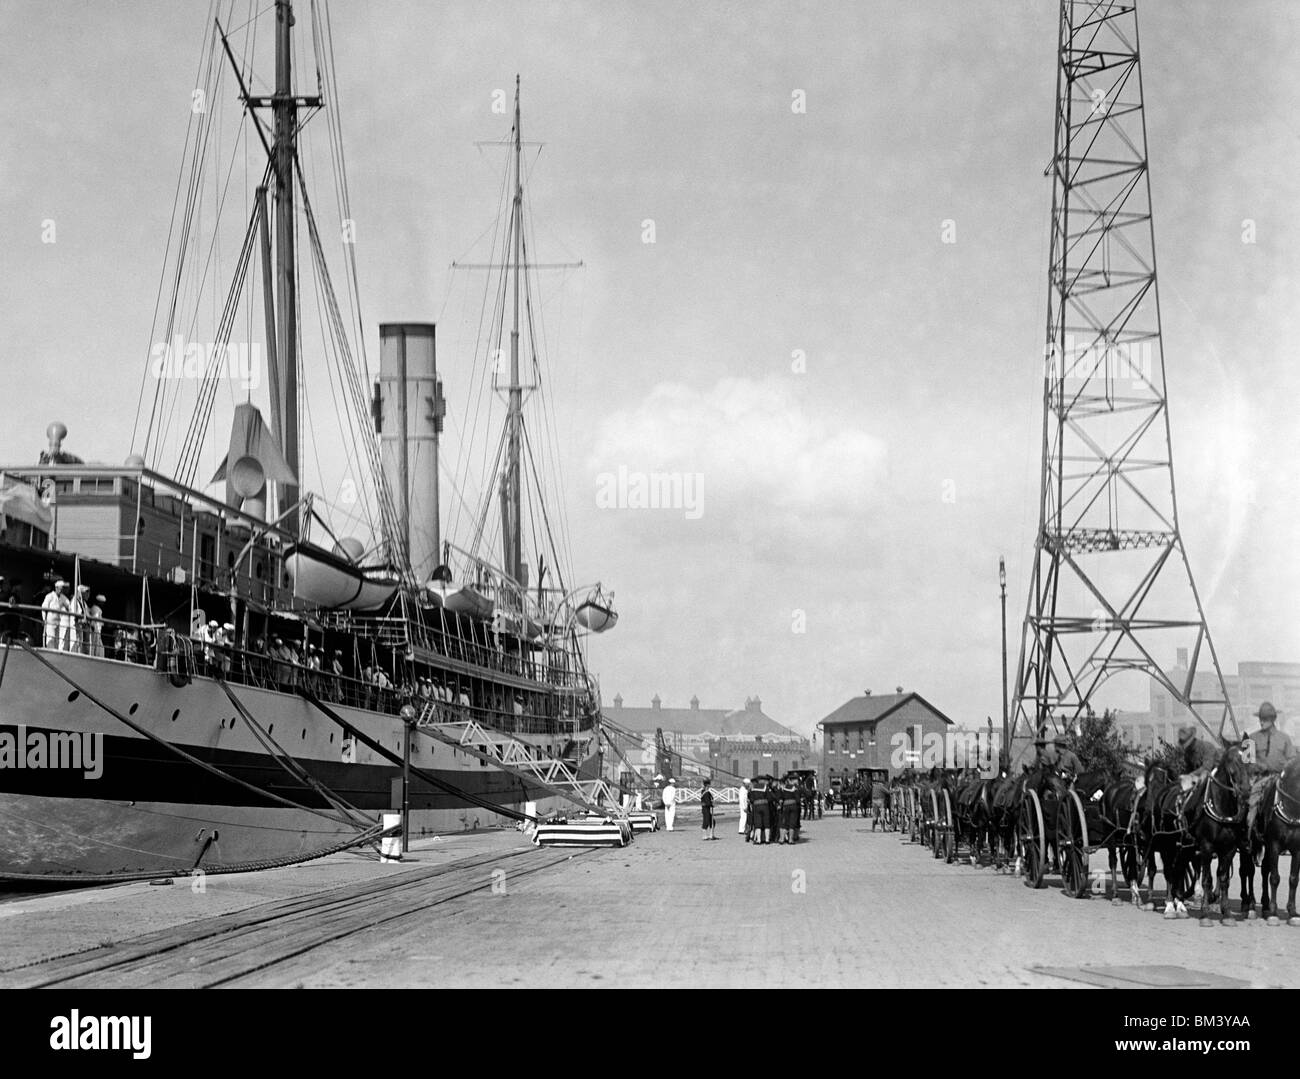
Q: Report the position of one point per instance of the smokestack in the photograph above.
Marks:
(408, 416)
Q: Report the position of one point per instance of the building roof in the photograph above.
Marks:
(872, 708)
(717, 722)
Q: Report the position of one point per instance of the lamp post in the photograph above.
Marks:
(1006, 733)
(408, 719)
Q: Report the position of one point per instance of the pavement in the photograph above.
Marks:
(844, 907)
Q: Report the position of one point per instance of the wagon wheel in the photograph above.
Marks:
(1032, 836)
(1072, 845)
(935, 848)
(949, 830)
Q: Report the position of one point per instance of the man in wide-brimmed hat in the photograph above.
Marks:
(1272, 749)
(1199, 755)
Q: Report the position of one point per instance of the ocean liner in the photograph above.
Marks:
(218, 670)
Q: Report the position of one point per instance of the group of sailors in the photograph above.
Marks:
(770, 810)
(71, 621)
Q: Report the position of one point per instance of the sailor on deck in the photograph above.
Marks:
(53, 608)
(744, 809)
(97, 626)
(80, 627)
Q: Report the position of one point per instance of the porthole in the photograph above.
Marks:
(270, 729)
(176, 715)
(133, 709)
(74, 695)
(232, 722)
(304, 734)
(331, 737)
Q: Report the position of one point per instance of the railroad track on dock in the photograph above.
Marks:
(228, 948)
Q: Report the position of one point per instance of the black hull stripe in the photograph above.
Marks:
(138, 770)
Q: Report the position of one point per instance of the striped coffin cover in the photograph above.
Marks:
(584, 832)
(644, 822)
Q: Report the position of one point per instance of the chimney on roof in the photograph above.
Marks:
(1182, 659)
(754, 705)
(695, 703)
(898, 689)
(866, 693)
(655, 702)
(618, 700)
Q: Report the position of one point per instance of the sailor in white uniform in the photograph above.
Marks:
(53, 608)
(670, 804)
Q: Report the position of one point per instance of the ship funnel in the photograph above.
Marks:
(408, 416)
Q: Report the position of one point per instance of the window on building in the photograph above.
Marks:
(862, 738)
(755, 767)
(735, 766)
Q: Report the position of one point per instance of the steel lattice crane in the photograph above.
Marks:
(1111, 590)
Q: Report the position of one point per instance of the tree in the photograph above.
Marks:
(1100, 748)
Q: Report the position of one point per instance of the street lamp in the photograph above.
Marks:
(1006, 733)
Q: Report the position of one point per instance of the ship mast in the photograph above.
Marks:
(285, 110)
(510, 493)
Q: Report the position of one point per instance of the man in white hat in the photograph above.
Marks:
(53, 607)
(670, 804)
(1272, 750)
(744, 809)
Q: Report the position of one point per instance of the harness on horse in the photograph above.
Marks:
(1278, 795)
(1211, 810)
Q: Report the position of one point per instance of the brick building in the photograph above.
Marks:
(693, 733)
(758, 756)
(866, 731)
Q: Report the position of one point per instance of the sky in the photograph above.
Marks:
(860, 399)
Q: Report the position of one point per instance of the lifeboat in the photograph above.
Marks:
(327, 580)
(597, 614)
(460, 599)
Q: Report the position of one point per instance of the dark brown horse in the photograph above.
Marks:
(1277, 829)
(1215, 813)
(1110, 807)
(975, 814)
(1162, 832)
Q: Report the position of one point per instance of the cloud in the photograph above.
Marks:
(753, 441)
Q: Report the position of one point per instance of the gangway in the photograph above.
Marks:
(518, 758)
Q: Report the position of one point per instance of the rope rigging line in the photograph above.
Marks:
(189, 758)
(428, 777)
(278, 753)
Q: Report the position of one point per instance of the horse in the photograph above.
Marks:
(1109, 807)
(1277, 829)
(1215, 813)
(973, 809)
(1161, 830)
(1003, 814)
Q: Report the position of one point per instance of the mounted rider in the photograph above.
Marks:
(1056, 757)
(1198, 755)
(1272, 749)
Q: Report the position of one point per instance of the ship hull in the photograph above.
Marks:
(113, 802)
